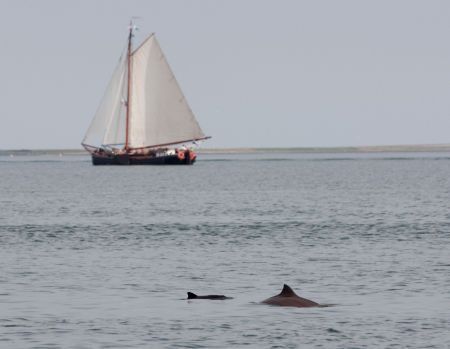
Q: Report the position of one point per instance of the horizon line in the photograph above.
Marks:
(439, 147)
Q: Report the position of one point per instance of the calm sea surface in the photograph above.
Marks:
(102, 257)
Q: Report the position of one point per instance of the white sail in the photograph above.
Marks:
(159, 113)
(109, 123)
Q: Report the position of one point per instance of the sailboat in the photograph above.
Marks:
(143, 118)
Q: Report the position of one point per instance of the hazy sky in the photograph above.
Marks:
(255, 73)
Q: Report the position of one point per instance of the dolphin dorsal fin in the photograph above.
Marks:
(287, 291)
(191, 295)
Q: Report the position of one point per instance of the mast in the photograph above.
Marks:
(130, 36)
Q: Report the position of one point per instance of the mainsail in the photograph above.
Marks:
(158, 113)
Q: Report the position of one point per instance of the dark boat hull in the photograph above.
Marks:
(126, 159)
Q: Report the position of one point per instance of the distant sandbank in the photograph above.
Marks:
(360, 149)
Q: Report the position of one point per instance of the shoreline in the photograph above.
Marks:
(428, 148)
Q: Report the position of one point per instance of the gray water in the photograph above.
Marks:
(102, 257)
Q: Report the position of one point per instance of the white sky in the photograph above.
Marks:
(256, 73)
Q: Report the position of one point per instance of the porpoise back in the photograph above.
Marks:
(288, 298)
(211, 296)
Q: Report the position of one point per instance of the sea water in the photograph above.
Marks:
(102, 257)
